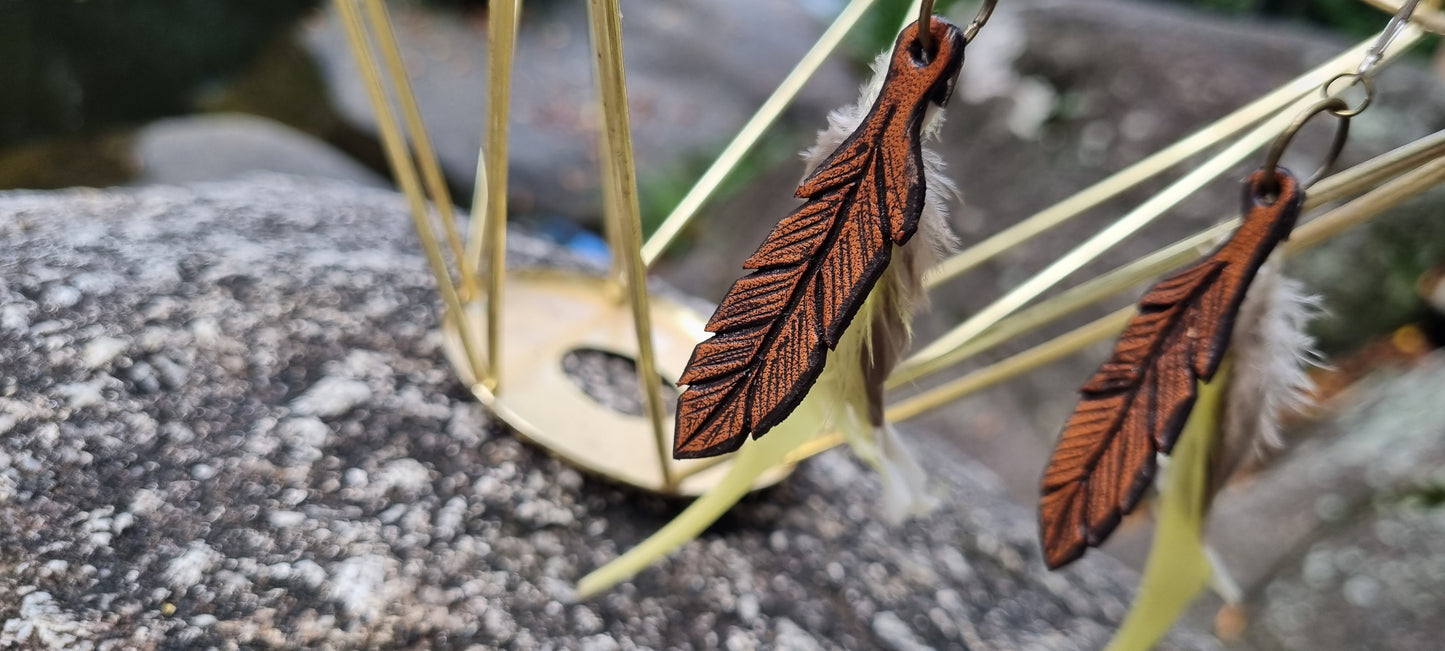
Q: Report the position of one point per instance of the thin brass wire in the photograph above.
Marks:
(1349, 182)
(944, 351)
(707, 185)
(426, 158)
(489, 199)
(985, 11)
(1332, 105)
(1144, 170)
(402, 164)
(1324, 227)
(622, 210)
(923, 16)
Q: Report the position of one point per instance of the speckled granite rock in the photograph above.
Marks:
(1343, 545)
(225, 420)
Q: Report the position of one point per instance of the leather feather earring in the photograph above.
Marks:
(813, 273)
(806, 339)
(1136, 404)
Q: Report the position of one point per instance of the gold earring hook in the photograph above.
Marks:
(925, 15)
(1336, 107)
(925, 26)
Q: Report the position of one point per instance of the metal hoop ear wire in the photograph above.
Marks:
(925, 26)
(925, 13)
(1356, 78)
(979, 20)
(1335, 106)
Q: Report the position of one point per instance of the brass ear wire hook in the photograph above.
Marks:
(925, 26)
(1364, 73)
(925, 13)
(1364, 80)
(1336, 107)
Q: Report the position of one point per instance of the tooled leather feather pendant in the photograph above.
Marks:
(1136, 404)
(772, 331)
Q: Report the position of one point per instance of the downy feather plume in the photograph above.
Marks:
(847, 393)
(1272, 352)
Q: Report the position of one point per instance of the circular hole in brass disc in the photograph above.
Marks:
(611, 379)
(551, 313)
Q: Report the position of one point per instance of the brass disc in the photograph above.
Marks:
(550, 313)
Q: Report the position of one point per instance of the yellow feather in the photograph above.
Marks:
(1178, 567)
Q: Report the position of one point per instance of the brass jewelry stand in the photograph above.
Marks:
(506, 333)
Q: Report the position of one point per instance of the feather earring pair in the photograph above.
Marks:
(805, 340)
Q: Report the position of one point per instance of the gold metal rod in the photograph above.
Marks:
(489, 196)
(1366, 207)
(1007, 369)
(401, 165)
(1318, 230)
(606, 24)
(929, 359)
(1346, 183)
(1145, 169)
(1051, 351)
(426, 157)
(748, 136)
(937, 354)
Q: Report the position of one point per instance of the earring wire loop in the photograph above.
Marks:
(1336, 107)
(1365, 80)
(1392, 29)
(925, 14)
(925, 26)
(979, 20)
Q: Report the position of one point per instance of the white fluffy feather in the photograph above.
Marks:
(1272, 353)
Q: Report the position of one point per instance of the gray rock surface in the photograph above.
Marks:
(1343, 544)
(696, 71)
(219, 147)
(225, 420)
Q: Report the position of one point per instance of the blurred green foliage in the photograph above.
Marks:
(81, 66)
(1351, 17)
(1367, 276)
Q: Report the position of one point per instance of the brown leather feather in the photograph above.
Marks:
(774, 327)
(1137, 402)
